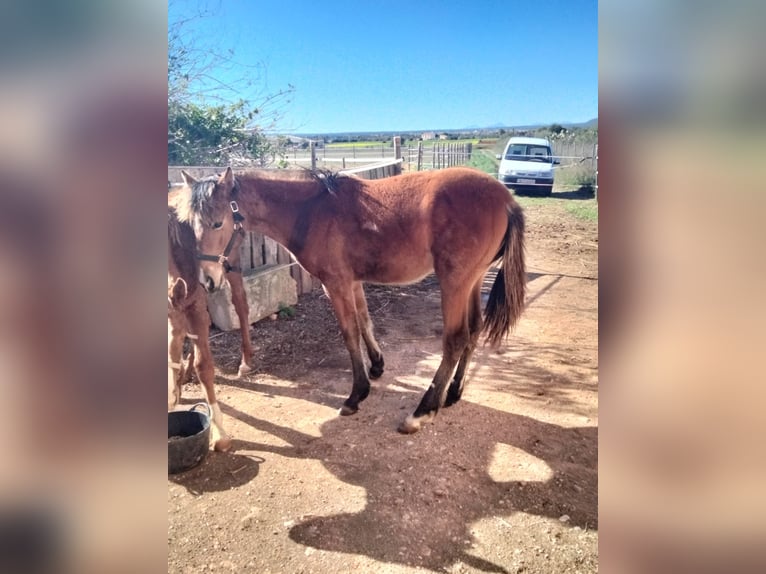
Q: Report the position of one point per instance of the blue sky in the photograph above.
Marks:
(385, 66)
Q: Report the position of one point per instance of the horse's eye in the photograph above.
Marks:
(218, 225)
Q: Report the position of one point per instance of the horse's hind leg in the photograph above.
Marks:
(475, 323)
(203, 363)
(365, 325)
(344, 304)
(239, 300)
(454, 342)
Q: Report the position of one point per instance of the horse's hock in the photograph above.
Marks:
(268, 289)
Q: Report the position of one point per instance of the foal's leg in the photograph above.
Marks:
(343, 301)
(175, 364)
(188, 368)
(454, 342)
(239, 300)
(203, 363)
(365, 325)
(475, 323)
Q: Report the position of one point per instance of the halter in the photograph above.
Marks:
(223, 258)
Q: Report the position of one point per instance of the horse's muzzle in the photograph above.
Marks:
(209, 284)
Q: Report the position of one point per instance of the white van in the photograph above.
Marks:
(527, 165)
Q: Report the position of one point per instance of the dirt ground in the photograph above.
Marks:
(504, 481)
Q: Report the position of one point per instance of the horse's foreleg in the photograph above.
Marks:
(454, 342)
(239, 300)
(343, 302)
(203, 363)
(475, 323)
(365, 325)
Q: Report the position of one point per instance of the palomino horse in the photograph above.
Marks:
(238, 295)
(188, 317)
(347, 231)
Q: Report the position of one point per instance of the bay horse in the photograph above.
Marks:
(188, 317)
(348, 231)
(238, 295)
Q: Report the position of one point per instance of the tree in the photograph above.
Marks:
(209, 120)
(556, 129)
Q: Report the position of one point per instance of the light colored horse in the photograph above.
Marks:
(188, 317)
(238, 295)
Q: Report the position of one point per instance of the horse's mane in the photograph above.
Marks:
(196, 207)
(181, 244)
(330, 180)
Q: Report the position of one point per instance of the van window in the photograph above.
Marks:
(527, 152)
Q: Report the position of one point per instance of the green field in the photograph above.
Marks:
(484, 160)
(358, 144)
(585, 209)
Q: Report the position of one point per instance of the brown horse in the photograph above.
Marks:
(238, 295)
(347, 231)
(188, 317)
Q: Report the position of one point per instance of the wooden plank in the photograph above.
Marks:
(307, 283)
(257, 240)
(283, 255)
(295, 273)
(246, 253)
(269, 251)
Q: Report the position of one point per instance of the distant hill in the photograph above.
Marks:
(593, 123)
(589, 124)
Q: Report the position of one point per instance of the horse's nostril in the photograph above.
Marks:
(209, 285)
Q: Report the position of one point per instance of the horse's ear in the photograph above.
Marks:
(226, 178)
(178, 291)
(188, 180)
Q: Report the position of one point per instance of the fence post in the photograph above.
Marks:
(420, 155)
(595, 156)
(397, 147)
(312, 147)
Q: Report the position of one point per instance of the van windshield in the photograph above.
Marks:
(529, 152)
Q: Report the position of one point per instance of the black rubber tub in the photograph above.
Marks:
(188, 438)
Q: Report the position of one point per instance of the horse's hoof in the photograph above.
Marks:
(409, 425)
(452, 398)
(244, 369)
(222, 444)
(376, 372)
(346, 410)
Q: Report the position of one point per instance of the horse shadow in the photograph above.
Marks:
(424, 492)
(220, 471)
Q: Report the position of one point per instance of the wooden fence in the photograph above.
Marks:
(439, 155)
(259, 253)
(378, 170)
(424, 156)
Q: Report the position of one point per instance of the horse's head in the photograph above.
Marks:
(214, 215)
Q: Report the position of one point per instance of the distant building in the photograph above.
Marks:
(428, 136)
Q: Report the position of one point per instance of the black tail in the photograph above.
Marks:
(506, 298)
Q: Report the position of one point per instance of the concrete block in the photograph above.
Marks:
(267, 289)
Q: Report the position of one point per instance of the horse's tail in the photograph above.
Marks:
(506, 299)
